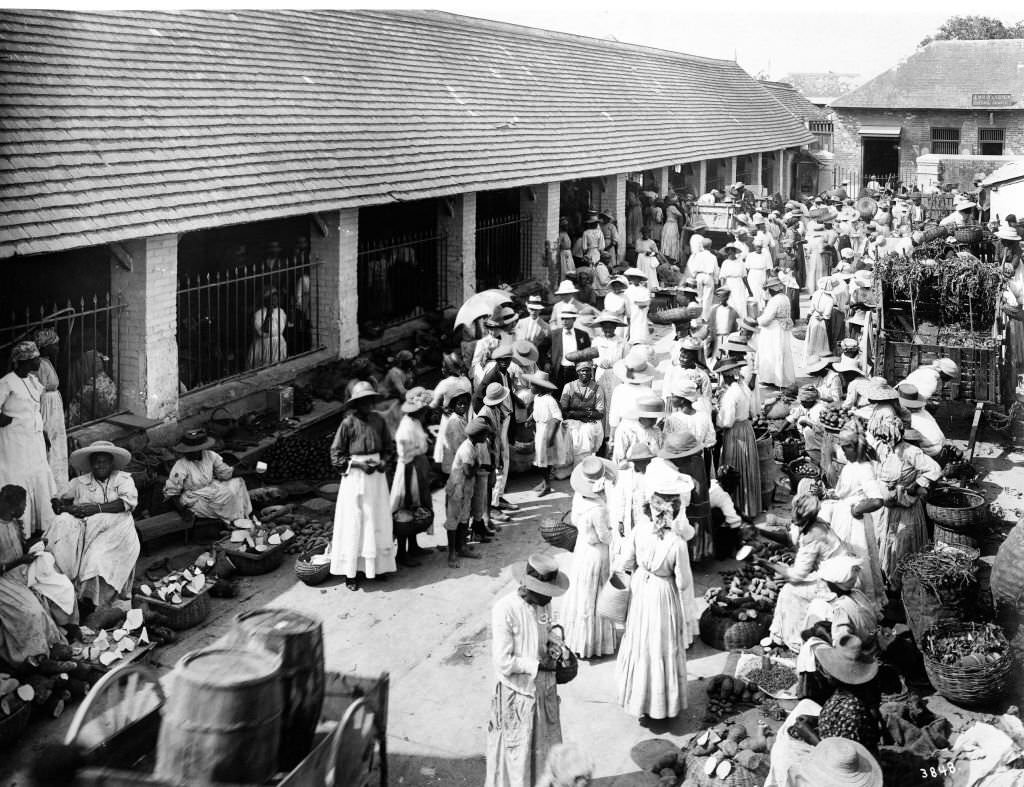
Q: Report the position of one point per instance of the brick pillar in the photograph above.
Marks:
(758, 169)
(544, 210)
(149, 326)
(615, 203)
(783, 165)
(702, 178)
(337, 293)
(456, 217)
(732, 171)
(661, 180)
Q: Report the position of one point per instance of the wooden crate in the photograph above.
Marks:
(978, 380)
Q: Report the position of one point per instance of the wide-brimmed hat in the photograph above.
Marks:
(620, 279)
(634, 273)
(734, 344)
(815, 365)
(540, 574)
(722, 292)
(524, 351)
(689, 344)
(965, 204)
(848, 364)
(535, 303)
(773, 283)
(847, 662)
(662, 478)
(24, 351)
(592, 476)
(911, 435)
(566, 313)
(362, 390)
(639, 451)
(849, 344)
(607, 318)
(864, 278)
(502, 351)
(808, 392)
(540, 379)
(841, 570)
(685, 388)
(839, 762)
(910, 397)
(732, 247)
(1008, 233)
(478, 426)
(946, 366)
(495, 394)
(501, 317)
(79, 458)
(566, 288)
(648, 406)
(690, 285)
(460, 387)
(46, 337)
(729, 364)
(633, 369)
(679, 445)
(416, 399)
(859, 317)
(749, 324)
(882, 392)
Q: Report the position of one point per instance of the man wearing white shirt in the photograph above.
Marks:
(932, 436)
(928, 380)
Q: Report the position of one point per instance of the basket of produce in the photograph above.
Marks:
(252, 562)
(956, 509)
(726, 756)
(801, 468)
(725, 692)
(968, 234)
(936, 585)
(409, 523)
(311, 536)
(313, 568)
(182, 597)
(967, 663)
(255, 549)
(296, 457)
(955, 539)
(770, 676)
(744, 628)
(834, 418)
(586, 354)
(559, 532)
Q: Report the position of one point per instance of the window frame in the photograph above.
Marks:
(935, 142)
(1001, 142)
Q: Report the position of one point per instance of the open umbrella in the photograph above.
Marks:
(481, 305)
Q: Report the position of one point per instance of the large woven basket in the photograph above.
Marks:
(954, 538)
(726, 633)
(969, 686)
(311, 573)
(613, 599)
(253, 564)
(1008, 570)
(928, 606)
(959, 510)
(559, 533)
(180, 617)
(968, 234)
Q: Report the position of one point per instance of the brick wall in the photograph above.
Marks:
(338, 293)
(460, 228)
(149, 347)
(915, 139)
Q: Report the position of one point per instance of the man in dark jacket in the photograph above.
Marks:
(568, 339)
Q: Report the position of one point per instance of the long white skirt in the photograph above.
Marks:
(651, 667)
(53, 424)
(363, 537)
(267, 350)
(587, 633)
(586, 437)
(23, 463)
(99, 547)
(775, 356)
(223, 500)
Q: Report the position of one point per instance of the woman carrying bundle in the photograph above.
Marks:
(410, 488)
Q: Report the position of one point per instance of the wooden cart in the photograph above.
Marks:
(117, 725)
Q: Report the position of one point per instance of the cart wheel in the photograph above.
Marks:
(122, 696)
(353, 749)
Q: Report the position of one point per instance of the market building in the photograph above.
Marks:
(177, 184)
(961, 103)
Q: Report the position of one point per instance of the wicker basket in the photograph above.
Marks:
(971, 512)
(954, 538)
(408, 524)
(969, 686)
(727, 633)
(586, 354)
(180, 617)
(256, 563)
(969, 234)
(311, 573)
(613, 599)
(1008, 570)
(13, 727)
(559, 533)
(927, 606)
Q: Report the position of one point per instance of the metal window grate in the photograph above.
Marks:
(402, 277)
(503, 247)
(991, 141)
(945, 141)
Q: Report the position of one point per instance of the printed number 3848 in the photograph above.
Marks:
(941, 770)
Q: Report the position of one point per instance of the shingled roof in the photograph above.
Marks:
(945, 75)
(793, 100)
(130, 124)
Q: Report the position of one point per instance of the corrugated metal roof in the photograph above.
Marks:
(119, 125)
(946, 75)
(795, 101)
(1012, 171)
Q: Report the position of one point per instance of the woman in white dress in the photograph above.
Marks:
(587, 634)
(201, 483)
(639, 299)
(757, 264)
(651, 667)
(732, 277)
(616, 305)
(52, 406)
(611, 348)
(410, 488)
(814, 259)
(670, 233)
(269, 322)
(775, 341)
(23, 459)
(817, 344)
(549, 438)
(363, 532)
(93, 538)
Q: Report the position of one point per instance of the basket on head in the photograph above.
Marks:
(970, 686)
(959, 510)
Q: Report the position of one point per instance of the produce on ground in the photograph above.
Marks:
(256, 537)
(177, 587)
(312, 536)
(300, 458)
(772, 677)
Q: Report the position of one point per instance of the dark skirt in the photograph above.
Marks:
(699, 510)
(836, 328)
(739, 449)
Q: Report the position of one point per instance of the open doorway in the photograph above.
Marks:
(881, 158)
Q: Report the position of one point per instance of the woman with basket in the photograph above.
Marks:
(525, 721)
(587, 634)
(651, 666)
(410, 489)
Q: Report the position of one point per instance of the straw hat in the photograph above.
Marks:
(839, 762)
(80, 458)
(460, 387)
(362, 390)
(540, 379)
(848, 364)
(524, 351)
(808, 393)
(662, 478)
(592, 476)
(495, 394)
(910, 397)
(570, 312)
(566, 288)
(840, 570)
(773, 283)
(633, 369)
(1008, 233)
(689, 344)
(541, 575)
(501, 351)
(479, 426)
(815, 365)
(634, 273)
(686, 389)
(882, 392)
(749, 324)
(649, 406)
(607, 318)
(535, 303)
(946, 366)
(415, 400)
(618, 280)
(729, 364)
(639, 451)
(679, 445)
(846, 661)
(859, 317)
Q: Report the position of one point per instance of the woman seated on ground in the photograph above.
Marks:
(93, 537)
(28, 630)
(201, 483)
(851, 698)
(816, 542)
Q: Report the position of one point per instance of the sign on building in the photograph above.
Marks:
(992, 100)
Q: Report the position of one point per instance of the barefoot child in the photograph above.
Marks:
(460, 488)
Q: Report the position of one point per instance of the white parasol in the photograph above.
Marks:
(481, 305)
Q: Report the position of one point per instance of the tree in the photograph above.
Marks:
(974, 28)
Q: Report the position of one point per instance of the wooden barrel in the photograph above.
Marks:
(222, 719)
(298, 640)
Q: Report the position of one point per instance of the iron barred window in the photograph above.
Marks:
(946, 141)
(991, 141)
